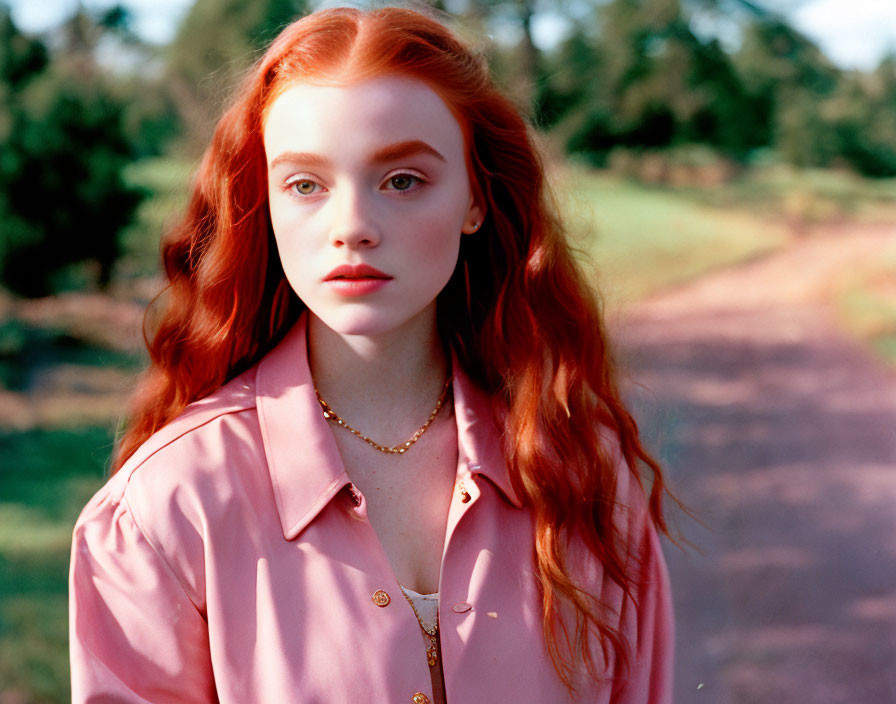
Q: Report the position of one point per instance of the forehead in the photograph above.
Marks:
(352, 117)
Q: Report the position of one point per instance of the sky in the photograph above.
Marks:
(154, 20)
(853, 33)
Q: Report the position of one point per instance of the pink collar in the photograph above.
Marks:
(306, 470)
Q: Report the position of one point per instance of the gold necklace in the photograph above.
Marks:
(432, 652)
(331, 415)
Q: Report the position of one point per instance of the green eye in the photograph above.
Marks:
(306, 188)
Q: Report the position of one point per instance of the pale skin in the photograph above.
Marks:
(374, 173)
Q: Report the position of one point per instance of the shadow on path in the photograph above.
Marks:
(781, 435)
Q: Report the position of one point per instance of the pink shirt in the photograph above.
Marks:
(231, 560)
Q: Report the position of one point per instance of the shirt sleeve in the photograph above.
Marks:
(649, 624)
(135, 634)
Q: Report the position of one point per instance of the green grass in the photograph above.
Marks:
(645, 238)
(867, 305)
(33, 652)
(805, 196)
(46, 477)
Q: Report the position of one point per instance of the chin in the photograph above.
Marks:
(365, 323)
(371, 321)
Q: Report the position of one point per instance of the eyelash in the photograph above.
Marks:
(420, 181)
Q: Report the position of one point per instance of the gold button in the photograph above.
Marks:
(420, 698)
(381, 598)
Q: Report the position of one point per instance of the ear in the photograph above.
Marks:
(474, 218)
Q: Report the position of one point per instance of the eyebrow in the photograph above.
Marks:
(391, 152)
(400, 150)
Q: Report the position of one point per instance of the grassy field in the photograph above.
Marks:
(804, 197)
(644, 238)
(47, 476)
(867, 305)
(641, 238)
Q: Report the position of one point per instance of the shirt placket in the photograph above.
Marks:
(388, 596)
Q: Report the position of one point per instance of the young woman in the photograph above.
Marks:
(390, 464)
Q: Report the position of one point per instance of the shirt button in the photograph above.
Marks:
(420, 698)
(461, 607)
(381, 598)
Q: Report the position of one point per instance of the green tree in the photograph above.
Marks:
(64, 200)
(203, 66)
(863, 115)
(522, 70)
(641, 77)
(570, 82)
(789, 78)
(22, 59)
(149, 117)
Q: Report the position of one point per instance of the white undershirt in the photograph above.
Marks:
(427, 606)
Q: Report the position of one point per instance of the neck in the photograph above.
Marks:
(379, 379)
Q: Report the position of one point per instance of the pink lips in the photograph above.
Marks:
(356, 280)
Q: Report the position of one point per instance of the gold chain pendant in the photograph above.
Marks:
(400, 449)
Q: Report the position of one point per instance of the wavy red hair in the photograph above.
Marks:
(518, 312)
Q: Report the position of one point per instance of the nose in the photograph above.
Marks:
(354, 222)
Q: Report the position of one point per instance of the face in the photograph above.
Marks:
(369, 195)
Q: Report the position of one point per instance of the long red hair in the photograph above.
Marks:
(519, 314)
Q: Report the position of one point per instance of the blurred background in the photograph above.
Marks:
(730, 166)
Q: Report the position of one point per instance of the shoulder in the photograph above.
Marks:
(236, 398)
(196, 452)
(184, 476)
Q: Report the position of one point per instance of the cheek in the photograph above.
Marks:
(279, 219)
(435, 258)
(287, 221)
(292, 250)
(438, 226)
(436, 239)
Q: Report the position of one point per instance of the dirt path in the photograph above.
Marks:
(780, 433)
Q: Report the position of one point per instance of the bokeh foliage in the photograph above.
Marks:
(62, 198)
(45, 477)
(202, 67)
(639, 74)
